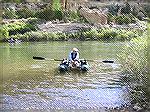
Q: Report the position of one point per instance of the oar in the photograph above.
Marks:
(42, 58)
(104, 61)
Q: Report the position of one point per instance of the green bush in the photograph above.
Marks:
(57, 14)
(46, 13)
(49, 14)
(123, 19)
(72, 16)
(25, 13)
(134, 61)
(16, 28)
(110, 18)
(91, 34)
(57, 11)
(9, 14)
(61, 36)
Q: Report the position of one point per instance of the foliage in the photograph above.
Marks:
(25, 13)
(45, 13)
(147, 9)
(16, 28)
(134, 61)
(126, 9)
(123, 19)
(24, 30)
(48, 13)
(56, 5)
(57, 11)
(110, 18)
(113, 9)
(72, 15)
(9, 14)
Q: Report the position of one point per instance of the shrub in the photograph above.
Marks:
(57, 11)
(49, 14)
(61, 36)
(123, 19)
(16, 28)
(113, 9)
(126, 9)
(147, 9)
(46, 13)
(134, 61)
(57, 14)
(110, 18)
(9, 14)
(25, 13)
(72, 15)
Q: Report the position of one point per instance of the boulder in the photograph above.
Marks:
(93, 16)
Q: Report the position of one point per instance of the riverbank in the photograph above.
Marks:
(33, 29)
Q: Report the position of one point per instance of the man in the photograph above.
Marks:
(74, 57)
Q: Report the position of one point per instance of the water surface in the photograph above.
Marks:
(36, 84)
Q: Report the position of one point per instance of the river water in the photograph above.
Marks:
(37, 84)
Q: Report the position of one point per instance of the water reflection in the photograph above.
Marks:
(38, 84)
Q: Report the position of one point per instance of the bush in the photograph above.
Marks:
(57, 11)
(25, 13)
(147, 9)
(90, 34)
(49, 14)
(113, 9)
(61, 36)
(9, 14)
(46, 13)
(134, 61)
(72, 15)
(110, 18)
(57, 14)
(126, 9)
(123, 19)
(16, 28)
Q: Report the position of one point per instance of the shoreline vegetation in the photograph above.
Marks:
(28, 32)
(135, 71)
(43, 22)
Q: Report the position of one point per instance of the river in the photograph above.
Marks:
(37, 84)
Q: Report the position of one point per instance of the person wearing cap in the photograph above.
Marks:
(74, 56)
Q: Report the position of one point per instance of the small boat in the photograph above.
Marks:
(66, 66)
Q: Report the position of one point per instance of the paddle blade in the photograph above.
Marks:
(108, 61)
(104, 61)
(38, 58)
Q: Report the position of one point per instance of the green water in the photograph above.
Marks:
(34, 84)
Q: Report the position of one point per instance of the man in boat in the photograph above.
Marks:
(74, 58)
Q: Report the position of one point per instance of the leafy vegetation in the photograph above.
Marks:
(15, 28)
(27, 32)
(73, 16)
(135, 70)
(49, 12)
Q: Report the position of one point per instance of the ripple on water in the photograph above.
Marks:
(68, 99)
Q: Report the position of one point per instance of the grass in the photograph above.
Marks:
(135, 61)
